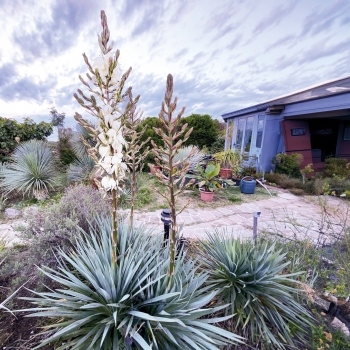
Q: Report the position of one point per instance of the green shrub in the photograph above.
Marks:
(338, 184)
(336, 167)
(143, 196)
(288, 164)
(290, 182)
(31, 170)
(274, 177)
(58, 225)
(28, 130)
(250, 279)
(297, 191)
(135, 305)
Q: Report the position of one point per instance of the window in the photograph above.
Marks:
(346, 136)
(259, 131)
(240, 130)
(248, 134)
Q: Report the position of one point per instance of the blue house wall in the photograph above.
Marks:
(331, 106)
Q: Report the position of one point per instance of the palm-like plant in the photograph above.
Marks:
(131, 305)
(250, 279)
(31, 169)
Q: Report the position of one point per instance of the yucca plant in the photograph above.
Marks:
(250, 279)
(82, 170)
(131, 305)
(31, 169)
(190, 154)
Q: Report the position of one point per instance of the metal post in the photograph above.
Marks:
(165, 217)
(256, 215)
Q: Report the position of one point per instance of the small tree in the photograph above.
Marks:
(57, 119)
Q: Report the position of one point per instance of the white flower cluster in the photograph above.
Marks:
(102, 64)
(110, 138)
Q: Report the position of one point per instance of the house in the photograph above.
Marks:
(314, 122)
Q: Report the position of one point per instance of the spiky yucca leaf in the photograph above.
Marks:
(31, 168)
(135, 306)
(249, 278)
(81, 170)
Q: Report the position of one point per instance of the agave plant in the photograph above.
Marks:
(31, 169)
(131, 305)
(250, 279)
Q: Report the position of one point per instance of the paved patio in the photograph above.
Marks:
(284, 215)
(318, 219)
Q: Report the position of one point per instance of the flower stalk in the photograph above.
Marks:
(106, 89)
(173, 136)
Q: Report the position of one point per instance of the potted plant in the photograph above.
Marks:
(207, 183)
(230, 163)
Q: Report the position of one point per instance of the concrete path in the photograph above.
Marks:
(318, 219)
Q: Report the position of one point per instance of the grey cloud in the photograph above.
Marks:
(322, 20)
(321, 50)
(58, 33)
(26, 89)
(234, 43)
(345, 20)
(274, 18)
(284, 41)
(178, 55)
(7, 73)
(196, 58)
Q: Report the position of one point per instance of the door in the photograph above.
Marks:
(296, 136)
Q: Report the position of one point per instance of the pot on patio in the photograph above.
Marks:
(206, 196)
(154, 168)
(225, 173)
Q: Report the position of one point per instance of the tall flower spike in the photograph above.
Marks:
(104, 103)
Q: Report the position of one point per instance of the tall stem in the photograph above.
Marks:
(133, 192)
(114, 227)
(172, 199)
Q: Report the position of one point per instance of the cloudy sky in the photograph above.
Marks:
(223, 54)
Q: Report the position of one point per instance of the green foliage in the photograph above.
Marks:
(230, 159)
(65, 149)
(250, 279)
(207, 177)
(28, 130)
(134, 305)
(288, 164)
(143, 197)
(58, 225)
(205, 130)
(31, 170)
(336, 167)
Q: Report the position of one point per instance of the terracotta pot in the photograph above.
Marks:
(207, 196)
(155, 169)
(225, 173)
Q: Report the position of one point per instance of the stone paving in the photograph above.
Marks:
(284, 215)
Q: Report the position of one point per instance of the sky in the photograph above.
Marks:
(224, 55)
